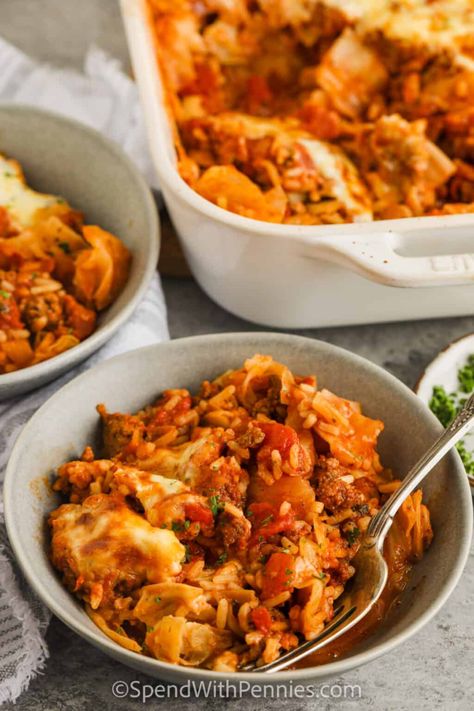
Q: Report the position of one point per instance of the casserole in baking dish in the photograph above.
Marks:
(370, 169)
(315, 112)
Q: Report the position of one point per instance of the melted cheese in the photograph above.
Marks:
(102, 542)
(148, 487)
(433, 25)
(351, 10)
(20, 201)
(439, 24)
(182, 462)
(351, 73)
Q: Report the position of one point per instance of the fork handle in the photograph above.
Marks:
(382, 521)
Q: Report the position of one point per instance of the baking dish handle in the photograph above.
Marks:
(374, 257)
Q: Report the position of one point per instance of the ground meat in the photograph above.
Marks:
(252, 437)
(117, 430)
(227, 482)
(233, 530)
(366, 487)
(297, 531)
(335, 493)
(42, 311)
(342, 573)
(268, 402)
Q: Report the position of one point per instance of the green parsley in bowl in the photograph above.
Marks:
(445, 385)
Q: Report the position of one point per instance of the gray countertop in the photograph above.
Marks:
(431, 671)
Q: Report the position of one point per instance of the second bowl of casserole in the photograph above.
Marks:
(95, 177)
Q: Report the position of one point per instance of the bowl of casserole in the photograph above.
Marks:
(78, 240)
(339, 166)
(172, 540)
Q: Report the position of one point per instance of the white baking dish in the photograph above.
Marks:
(290, 276)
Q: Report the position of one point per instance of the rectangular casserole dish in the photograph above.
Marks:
(299, 276)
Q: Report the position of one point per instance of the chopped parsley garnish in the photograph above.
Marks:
(222, 558)
(263, 559)
(443, 405)
(5, 294)
(215, 504)
(288, 571)
(65, 246)
(352, 535)
(267, 520)
(157, 599)
(466, 376)
(447, 405)
(466, 457)
(178, 526)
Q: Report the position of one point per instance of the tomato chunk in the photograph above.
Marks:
(267, 521)
(199, 513)
(261, 619)
(283, 438)
(278, 437)
(79, 318)
(278, 575)
(164, 416)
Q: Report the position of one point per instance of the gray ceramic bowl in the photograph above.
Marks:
(129, 381)
(67, 158)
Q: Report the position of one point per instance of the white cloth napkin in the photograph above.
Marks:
(103, 97)
(106, 99)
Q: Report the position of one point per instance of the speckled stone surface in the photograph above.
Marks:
(432, 671)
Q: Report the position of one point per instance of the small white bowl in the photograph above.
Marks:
(94, 175)
(443, 371)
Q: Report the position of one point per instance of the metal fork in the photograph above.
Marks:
(371, 569)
